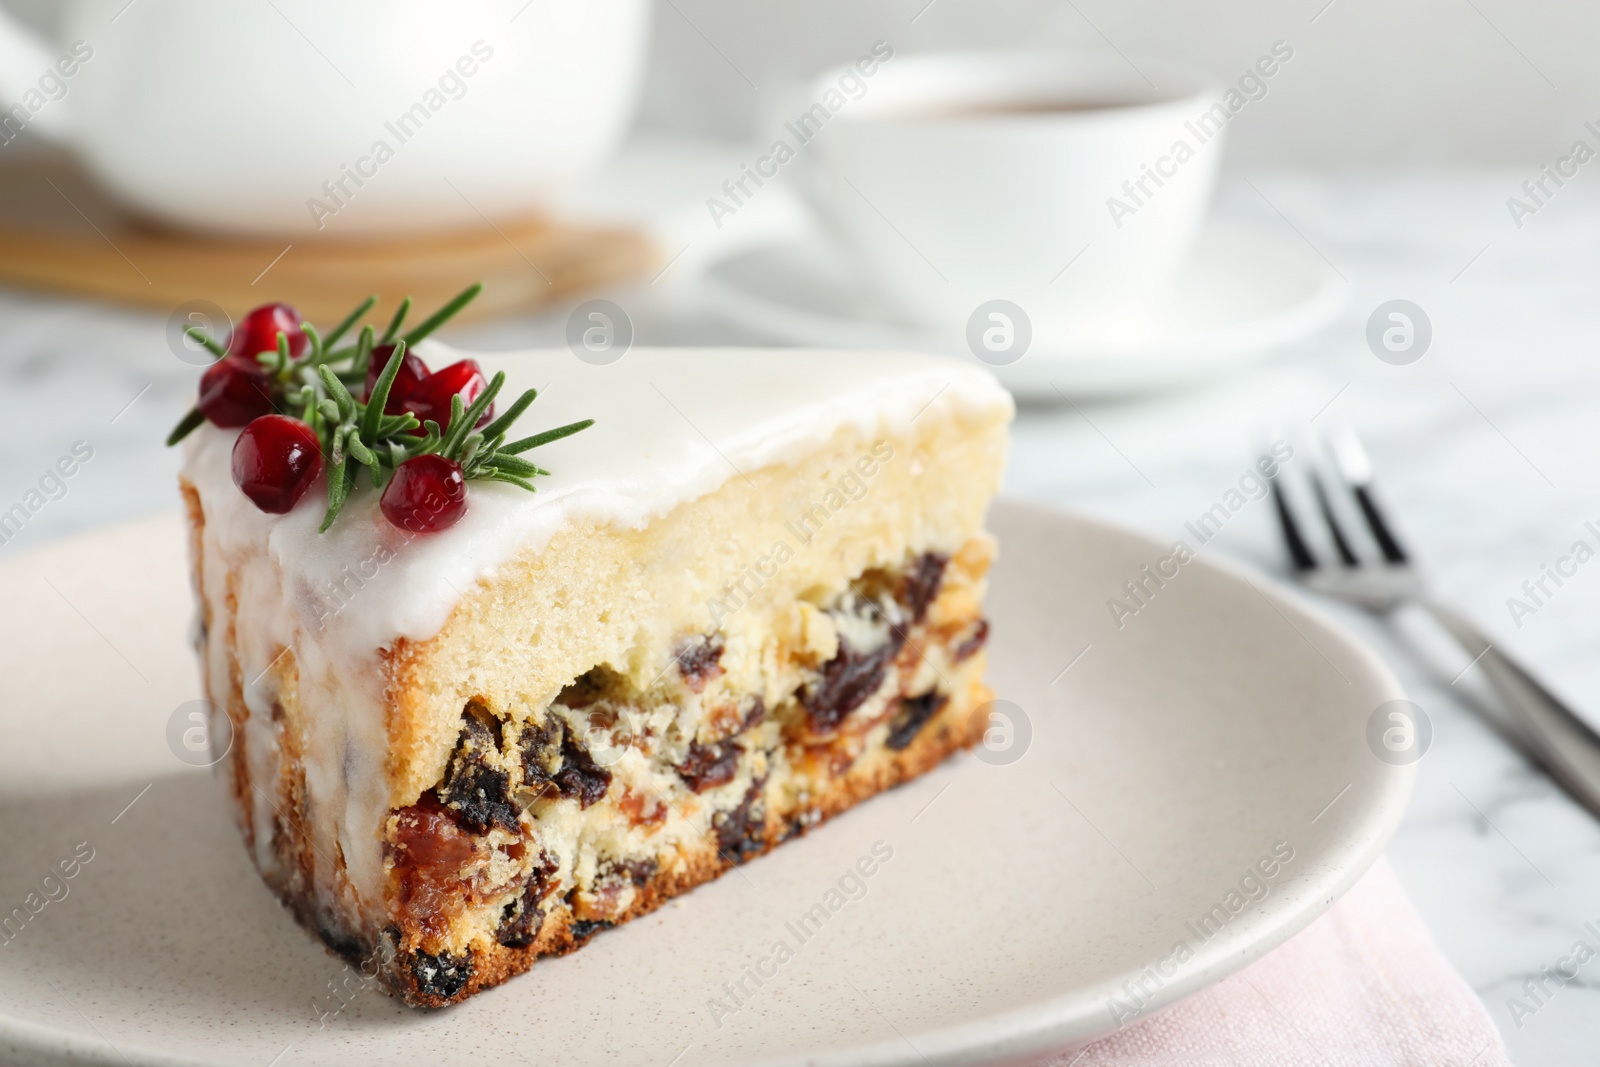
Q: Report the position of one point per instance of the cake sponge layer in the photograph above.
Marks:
(741, 563)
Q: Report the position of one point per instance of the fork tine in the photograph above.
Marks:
(1299, 553)
(1356, 469)
(1346, 555)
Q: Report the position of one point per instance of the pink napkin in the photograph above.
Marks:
(1362, 986)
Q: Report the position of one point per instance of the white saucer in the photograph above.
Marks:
(1244, 294)
(1172, 782)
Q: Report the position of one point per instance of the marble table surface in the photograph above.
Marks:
(1484, 449)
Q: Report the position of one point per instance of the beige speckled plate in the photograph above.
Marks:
(1169, 800)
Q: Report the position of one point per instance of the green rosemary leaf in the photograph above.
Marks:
(328, 408)
(317, 353)
(546, 437)
(196, 333)
(186, 425)
(391, 425)
(397, 453)
(394, 323)
(449, 443)
(353, 357)
(336, 449)
(282, 362)
(430, 439)
(340, 478)
(341, 395)
(349, 321)
(321, 352)
(445, 314)
(512, 464)
(380, 392)
(499, 426)
(470, 449)
(363, 455)
(366, 457)
(363, 355)
(501, 476)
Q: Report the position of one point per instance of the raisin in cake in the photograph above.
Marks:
(748, 598)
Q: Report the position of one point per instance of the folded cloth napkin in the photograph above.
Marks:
(1362, 986)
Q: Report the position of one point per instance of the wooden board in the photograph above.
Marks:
(59, 232)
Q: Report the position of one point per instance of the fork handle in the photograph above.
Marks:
(1557, 737)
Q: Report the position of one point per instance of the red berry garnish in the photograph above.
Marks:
(427, 494)
(411, 374)
(430, 398)
(275, 460)
(235, 390)
(258, 332)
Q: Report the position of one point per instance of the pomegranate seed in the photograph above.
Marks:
(430, 399)
(426, 495)
(412, 372)
(234, 390)
(275, 460)
(258, 332)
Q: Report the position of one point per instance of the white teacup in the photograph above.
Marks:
(299, 117)
(1049, 180)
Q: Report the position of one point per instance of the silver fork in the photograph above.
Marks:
(1548, 730)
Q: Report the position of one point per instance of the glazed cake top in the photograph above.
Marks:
(670, 426)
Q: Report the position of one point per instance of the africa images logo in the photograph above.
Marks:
(1253, 886)
(804, 127)
(1204, 127)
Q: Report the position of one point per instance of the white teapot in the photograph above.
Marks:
(302, 117)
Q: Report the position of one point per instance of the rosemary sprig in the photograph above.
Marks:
(356, 434)
(394, 323)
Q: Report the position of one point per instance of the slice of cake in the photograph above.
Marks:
(747, 598)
